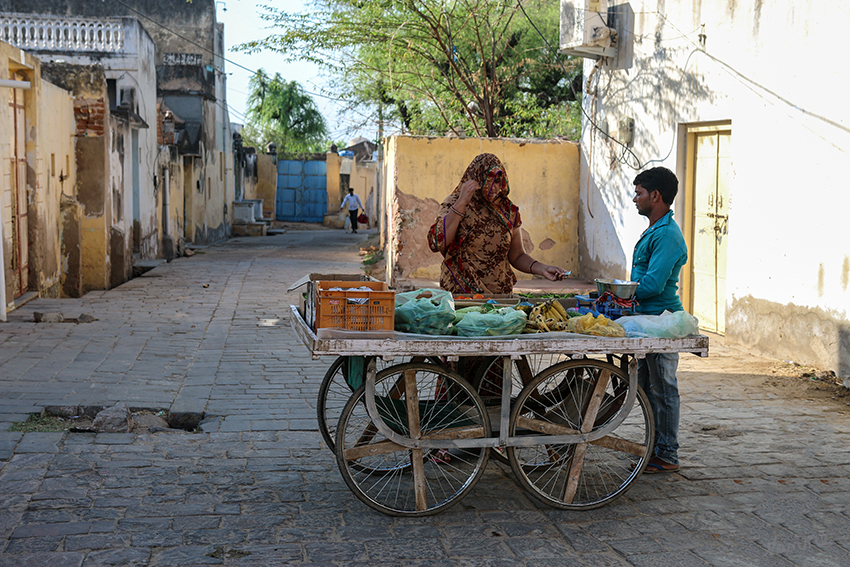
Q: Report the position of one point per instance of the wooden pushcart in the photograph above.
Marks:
(413, 438)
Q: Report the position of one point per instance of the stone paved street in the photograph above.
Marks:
(764, 479)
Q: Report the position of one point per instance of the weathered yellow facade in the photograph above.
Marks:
(364, 180)
(334, 218)
(267, 183)
(56, 175)
(419, 172)
(37, 151)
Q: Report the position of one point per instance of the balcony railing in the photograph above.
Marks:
(36, 33)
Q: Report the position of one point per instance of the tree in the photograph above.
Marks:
(279, 111)
(435, 66)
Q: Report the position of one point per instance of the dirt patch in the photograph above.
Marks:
(730, 371)
(286, 225)
(797, 381)
(77, 419)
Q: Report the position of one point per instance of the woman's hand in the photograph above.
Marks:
(467, 190)
(552, 273)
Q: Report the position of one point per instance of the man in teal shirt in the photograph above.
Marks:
(659, 256)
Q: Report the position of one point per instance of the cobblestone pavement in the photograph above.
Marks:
(764, 479)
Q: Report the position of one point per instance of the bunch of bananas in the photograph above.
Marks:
(550, 315)
(547, 316)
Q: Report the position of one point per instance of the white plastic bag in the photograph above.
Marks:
(666, 326)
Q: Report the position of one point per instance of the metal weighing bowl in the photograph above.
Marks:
(622, 290)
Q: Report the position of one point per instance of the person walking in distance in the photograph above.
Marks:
(354, 205)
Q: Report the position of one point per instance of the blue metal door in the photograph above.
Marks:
(302, 194)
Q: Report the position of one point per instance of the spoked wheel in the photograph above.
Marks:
(421, 401)
(488, 383)
(341, 380)
(580, 396)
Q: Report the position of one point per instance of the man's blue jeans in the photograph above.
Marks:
(657, 378)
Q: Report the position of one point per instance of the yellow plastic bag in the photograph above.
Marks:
(599, 326)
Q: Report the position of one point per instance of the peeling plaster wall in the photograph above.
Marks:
(96, 148)
(788, 253)
(71, 281)
(364, 179)
(49, 126)
(805, 335)
(127, 195)
(171, 206)
(53, 146)
(422, 171)
(184, 66)
(266, 188)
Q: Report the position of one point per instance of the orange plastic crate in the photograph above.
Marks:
(334, 310)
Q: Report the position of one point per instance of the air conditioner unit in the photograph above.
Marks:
(584, 29)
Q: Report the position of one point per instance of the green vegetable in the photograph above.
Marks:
(460, 313)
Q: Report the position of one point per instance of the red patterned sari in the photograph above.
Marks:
(476, 261)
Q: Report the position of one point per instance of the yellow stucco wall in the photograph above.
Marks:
(53, 145)
(49, 155)
(333, 162)
(95, 253)
(364, 179)
(422, 171)
(10, 59)
(267, 183)
(169, 161)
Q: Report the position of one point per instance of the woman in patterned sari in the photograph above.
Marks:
(478, 233)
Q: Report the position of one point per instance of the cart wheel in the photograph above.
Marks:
(399, 481)
(335, 391)
(580, 396)
(488, 384)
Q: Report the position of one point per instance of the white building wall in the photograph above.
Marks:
(770, 70)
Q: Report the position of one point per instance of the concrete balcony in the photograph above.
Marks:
(55, 34)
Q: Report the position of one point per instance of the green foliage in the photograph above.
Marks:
(476, 67)
(279, 111)
(37, 422)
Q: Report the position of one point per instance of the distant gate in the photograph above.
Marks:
(302, 194)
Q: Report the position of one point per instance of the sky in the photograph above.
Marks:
(242, 23)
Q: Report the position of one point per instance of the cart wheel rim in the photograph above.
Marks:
(412, 482)
(584, 475)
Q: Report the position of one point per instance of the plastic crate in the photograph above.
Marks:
(337, 310)
(309, 298)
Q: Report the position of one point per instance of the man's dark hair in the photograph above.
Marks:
(659, 179)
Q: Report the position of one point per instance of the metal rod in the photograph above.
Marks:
(25, 85)
(505, 412)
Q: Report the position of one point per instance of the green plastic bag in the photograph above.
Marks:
(504, 321)
(424, 311)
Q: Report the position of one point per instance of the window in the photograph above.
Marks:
(112, 93)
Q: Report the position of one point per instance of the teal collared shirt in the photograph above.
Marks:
(658, 258)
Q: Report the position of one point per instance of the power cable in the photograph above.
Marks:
(593, 123)
(210, 51)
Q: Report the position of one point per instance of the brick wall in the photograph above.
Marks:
(90, 115)
(159, 141)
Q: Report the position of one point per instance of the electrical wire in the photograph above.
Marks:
(593, 123)
(213, 53)
(750, 83)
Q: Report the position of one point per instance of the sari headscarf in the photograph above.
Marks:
(476, 261)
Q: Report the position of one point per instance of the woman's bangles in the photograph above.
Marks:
(457, 212)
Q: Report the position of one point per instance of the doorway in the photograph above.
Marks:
(20, 222)
(707, 187)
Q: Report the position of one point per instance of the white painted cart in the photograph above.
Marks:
(413, 438)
